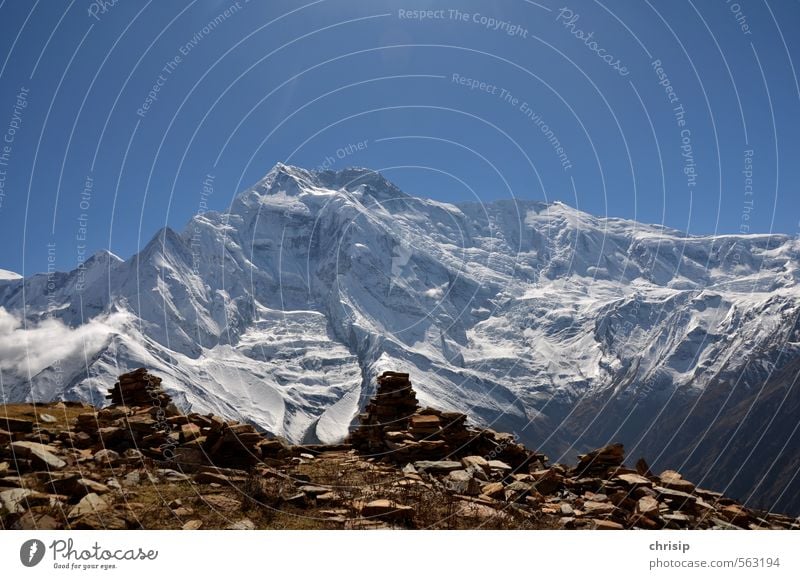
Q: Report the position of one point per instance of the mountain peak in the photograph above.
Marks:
(292, 180)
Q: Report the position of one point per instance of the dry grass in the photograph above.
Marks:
(63, 414)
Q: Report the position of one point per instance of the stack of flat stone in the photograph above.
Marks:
(139, 388)
(390, 410)
(393, 427)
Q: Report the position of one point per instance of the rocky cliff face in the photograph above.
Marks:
(568, 330)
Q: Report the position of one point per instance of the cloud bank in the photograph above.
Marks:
(41, 344)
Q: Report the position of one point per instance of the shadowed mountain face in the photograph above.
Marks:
(569, 330)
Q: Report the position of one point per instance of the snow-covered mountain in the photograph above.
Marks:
(567, 329)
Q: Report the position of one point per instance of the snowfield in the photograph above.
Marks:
(566, 329)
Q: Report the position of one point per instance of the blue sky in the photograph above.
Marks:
(645, 110)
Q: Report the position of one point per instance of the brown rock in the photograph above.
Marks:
(643, 468)
(425, 422)
(598, 461)
(192, 525)
(16, 425)
(242, 525)
(106, 457)
(647, 506)
(673, 480)
(735, 513)
(479, 511)
(273, 448)
(90, 504)
(462, 482)
(314, 490)
(499, 465)
(82, 440)
(18, 500)
(76, 486)
(111, 435)
(296, 499)
(676, 520)
(41, 456)
(476, 461)
(190, 454)
(387, 510)
(603, 525)
(675, 496)
(594, 508)
(548, 481)
(516, 491)
(437, 466)
(634, 480)
(493, 490)
(47, 418)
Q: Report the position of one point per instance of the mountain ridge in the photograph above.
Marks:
(533, 318)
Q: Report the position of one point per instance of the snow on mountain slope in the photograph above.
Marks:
(536, 318)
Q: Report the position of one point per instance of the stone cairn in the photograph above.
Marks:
(390, 410)
(139, 388)
(142, 416)
(394, 426)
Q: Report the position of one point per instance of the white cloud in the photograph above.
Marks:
(38, 346)
(435, 293)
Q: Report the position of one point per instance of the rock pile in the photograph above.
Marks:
(393, 427)
(151, 424)
(390, 410)
(140, 388)
(599, 493)
(72, 466)
(600, 460)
